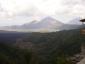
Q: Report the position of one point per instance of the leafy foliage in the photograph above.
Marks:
(12, 55)
(50, 48)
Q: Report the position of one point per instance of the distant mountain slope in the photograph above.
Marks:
(48, 24)
(45, 24)
(69, 27)
(75, 21)
(73, 24)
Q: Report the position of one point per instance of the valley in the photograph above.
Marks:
(47, 47)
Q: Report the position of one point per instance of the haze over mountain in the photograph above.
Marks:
(75, 21)
(46, 24)
(72, 24)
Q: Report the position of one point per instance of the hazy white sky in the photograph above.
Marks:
(22, 11)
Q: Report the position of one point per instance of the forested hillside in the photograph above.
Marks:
(12, 55)
(50, 46)
(46, 48)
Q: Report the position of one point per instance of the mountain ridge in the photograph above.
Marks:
(46, 23)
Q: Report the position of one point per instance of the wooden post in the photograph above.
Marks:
(82, 32)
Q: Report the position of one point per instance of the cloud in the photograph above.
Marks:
(36, 9)
(75, 6)
(32, 12)
(4, 13)
(71, 9)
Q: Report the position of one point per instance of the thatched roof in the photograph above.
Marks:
(82, 20)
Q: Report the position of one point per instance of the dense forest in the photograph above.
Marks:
(49, 46)
(12, 55)
(41, 48)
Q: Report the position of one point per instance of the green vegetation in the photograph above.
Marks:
(12, 55)
(47, 48)
(50, 46)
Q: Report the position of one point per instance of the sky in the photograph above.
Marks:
(16, 12)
